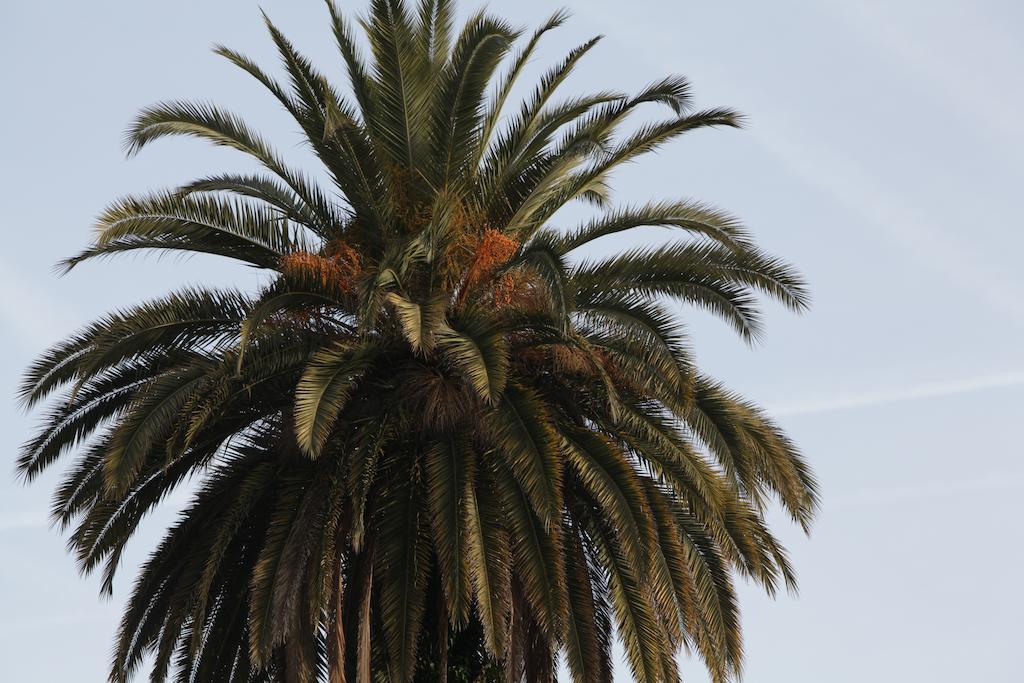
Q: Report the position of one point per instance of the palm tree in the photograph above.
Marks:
(438, 444)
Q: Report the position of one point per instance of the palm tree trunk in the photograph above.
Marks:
(336, 636)
(293, 669)
(353, 617)
(363, 665)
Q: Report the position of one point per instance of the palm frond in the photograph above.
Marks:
(324, 389)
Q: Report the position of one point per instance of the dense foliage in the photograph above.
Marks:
(438, 444)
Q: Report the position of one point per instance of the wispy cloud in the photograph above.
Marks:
(859, 193)
(968, 83)
(924, 491)
(925, 390)
(924, 239)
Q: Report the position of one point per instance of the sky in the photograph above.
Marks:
(883, 156)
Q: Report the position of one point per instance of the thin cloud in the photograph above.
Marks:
(860, 194)
(851, 186)
(974, 92)
(918, 492)
(927, 390)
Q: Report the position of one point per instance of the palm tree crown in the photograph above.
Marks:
(437, 443)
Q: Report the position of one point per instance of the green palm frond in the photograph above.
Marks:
(458, 111)
(403, 567)
(496, 105)
(690, 216)
(490, 561)
(324, 389)
(480, 350)
(449, 469)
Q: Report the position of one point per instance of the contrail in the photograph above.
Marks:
(924, 491)
(925, 390)
(858, 192)
(974, 93)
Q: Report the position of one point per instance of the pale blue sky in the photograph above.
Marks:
(883, 156)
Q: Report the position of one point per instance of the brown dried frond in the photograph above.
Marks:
(442, 402)
(617, 374)
(571, 360)
(463, 229)
(305, 264)
(339, 266)
(517, 289)
(348, 262)
(465, 223)
(534, 356)
(492, 250)
(409, 211)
